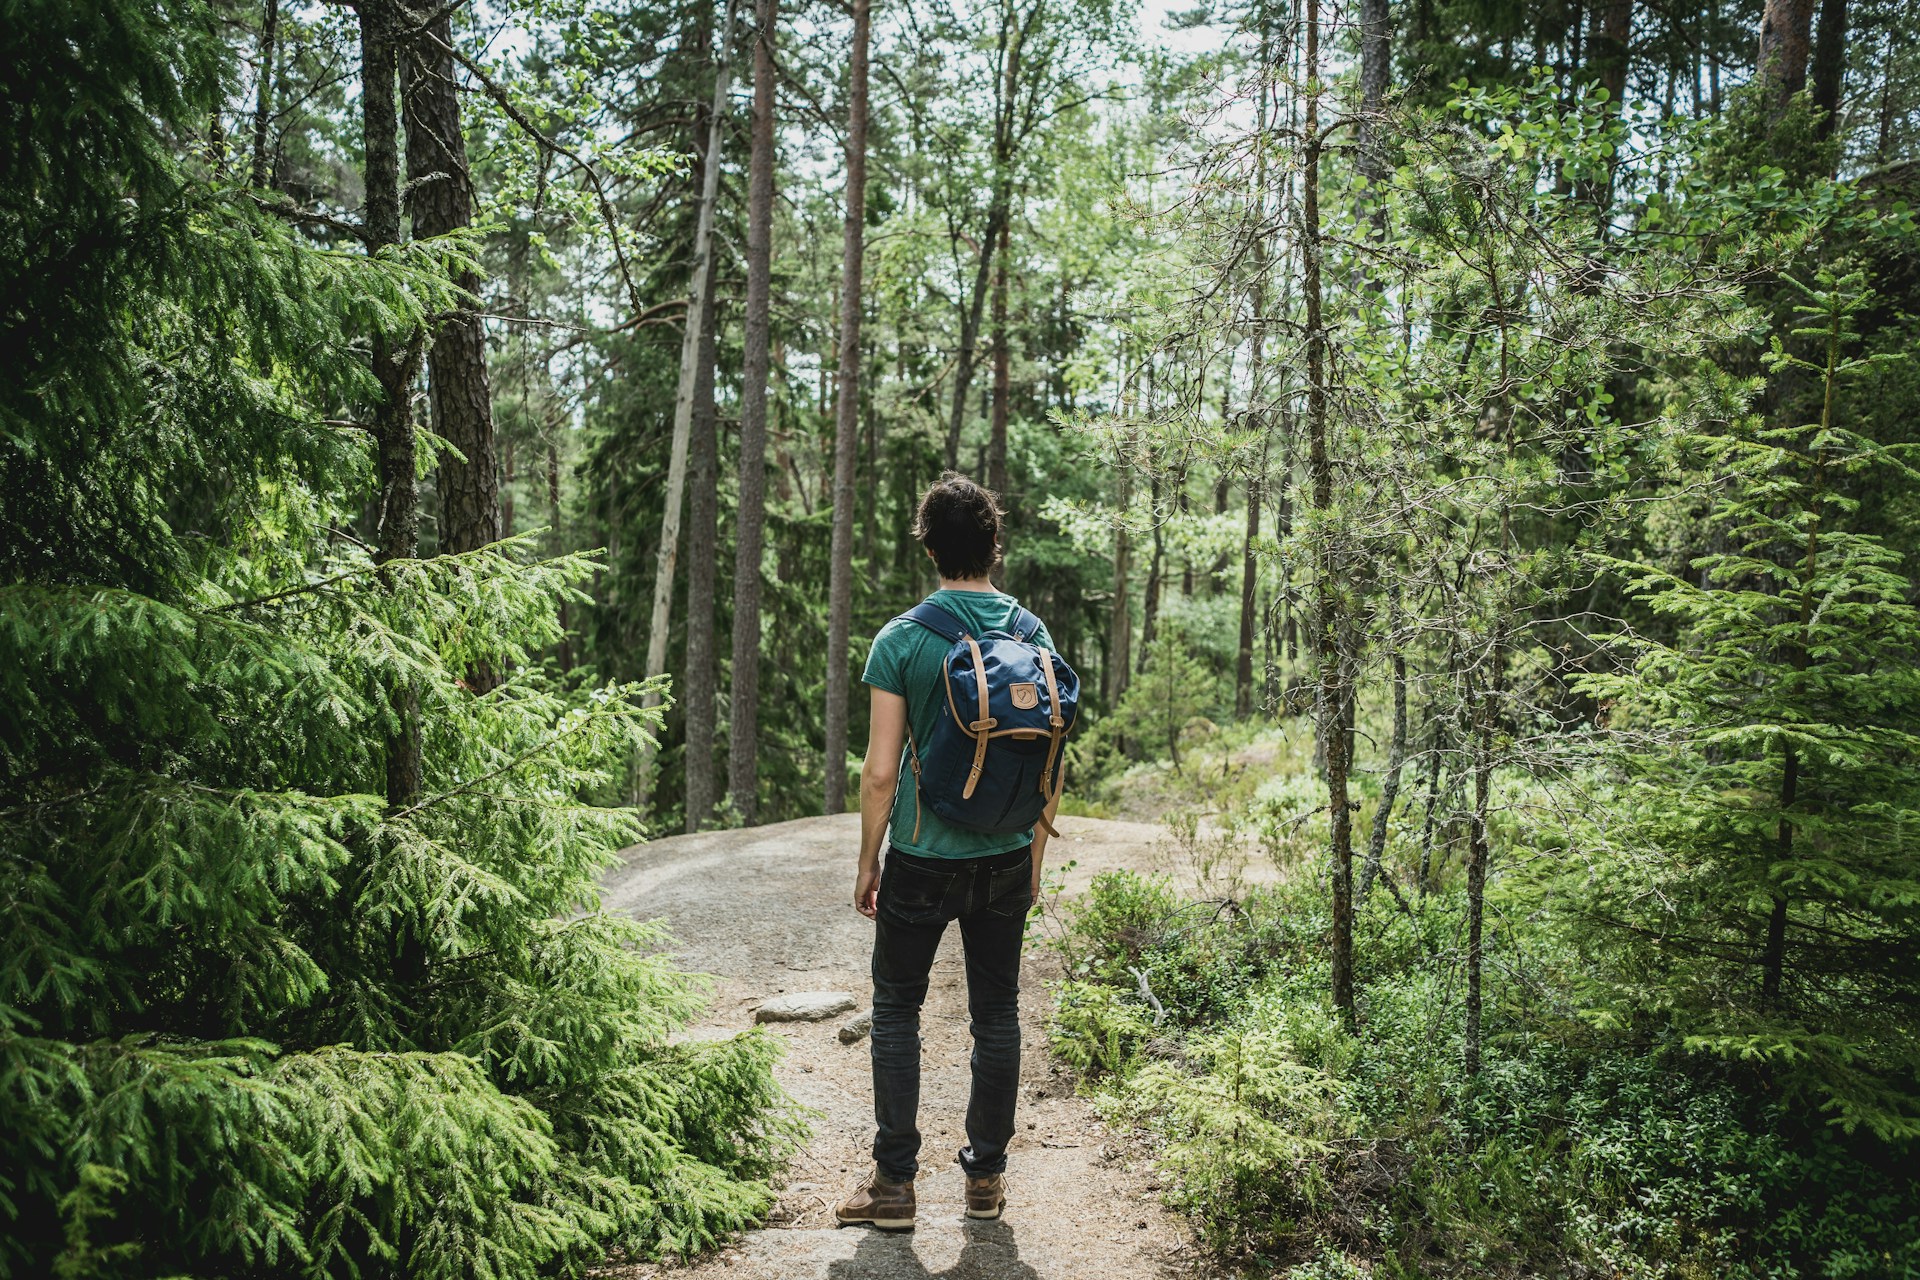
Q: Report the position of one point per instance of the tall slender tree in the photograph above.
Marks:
(743, 769)
(683, 405)
(1829, 62)
(698, 706)
(1002, 369)
(440, 199)
(263, 91)
(846, 429)
(394, 361)
(1333, 692)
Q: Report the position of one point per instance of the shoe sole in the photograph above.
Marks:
(884, 1224)
(987, 1215)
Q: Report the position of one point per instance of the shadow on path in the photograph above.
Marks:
(989, 1254)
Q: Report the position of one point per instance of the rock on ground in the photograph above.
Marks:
(805, 1006)
(857, 1028)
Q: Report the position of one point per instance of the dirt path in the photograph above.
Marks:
(769, 910)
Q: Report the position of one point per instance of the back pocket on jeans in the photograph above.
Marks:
(912, 892)
(1010, 890)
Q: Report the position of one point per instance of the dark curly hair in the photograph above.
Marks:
(959, 521)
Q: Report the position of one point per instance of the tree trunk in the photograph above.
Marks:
(846, 429)
(1249, 581)
(506, 486)
(743, 764)
(1256, 369)
(1376, 72)
(1477, 852)
(1002, 371)
(393, 362)
(1396, 753)
(669, 551)
(558, 537)
(1608, 43)
(1830, 63)
(1119, 654)
(970, 336)
(1329, 622)
(698, 710)
(999, 213)
(261, 173)
(1150, 606)
(1786, 28)
(440, 198)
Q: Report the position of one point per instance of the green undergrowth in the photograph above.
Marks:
(1302, 1148)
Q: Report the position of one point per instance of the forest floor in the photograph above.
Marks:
(768, 911)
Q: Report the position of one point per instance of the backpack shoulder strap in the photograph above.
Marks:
(937, 620)
(1024, 625)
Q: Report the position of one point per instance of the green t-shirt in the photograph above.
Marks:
(910, 660)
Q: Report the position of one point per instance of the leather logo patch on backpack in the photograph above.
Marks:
(1026, 696)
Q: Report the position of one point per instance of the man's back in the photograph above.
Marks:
(909, 660)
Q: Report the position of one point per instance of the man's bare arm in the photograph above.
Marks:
(879, 775)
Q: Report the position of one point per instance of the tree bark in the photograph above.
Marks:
(743, 767)
(1370, 870)
(440, 198)
(1150, 605)
(1786, 28)
(1477, 855)
(1013, 38)
(970, 336)
(1329, 620)
(1376, 73)
(1256, 370)
(506, 487)
(1120, 624)
(1249, 582)
(1830, 63)
(393, 362)
(846, 430)
(557, 536)
(1002, 371)
(261, 173)
(663, 576)
(698, 710)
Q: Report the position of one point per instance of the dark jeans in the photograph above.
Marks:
(989, 897)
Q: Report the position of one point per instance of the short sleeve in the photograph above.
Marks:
(1043, 638)
(886, 660)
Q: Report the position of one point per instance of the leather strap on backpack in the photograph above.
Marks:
(981, 727)
(913, 762)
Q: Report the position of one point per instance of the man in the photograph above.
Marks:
(936, 873)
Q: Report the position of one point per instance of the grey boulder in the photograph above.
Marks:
(804, 1006)
(857, 1027)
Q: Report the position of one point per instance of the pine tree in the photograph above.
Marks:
(254, 1017)
(1769, 754)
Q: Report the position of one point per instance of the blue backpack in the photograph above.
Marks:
(993, 763)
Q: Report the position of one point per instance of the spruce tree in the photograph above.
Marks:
(254, 1019)
(1769, 752)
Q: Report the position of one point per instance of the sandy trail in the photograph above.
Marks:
(768, 910)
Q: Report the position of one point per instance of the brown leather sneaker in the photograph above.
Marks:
(886, 1205)
(987, 1196)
